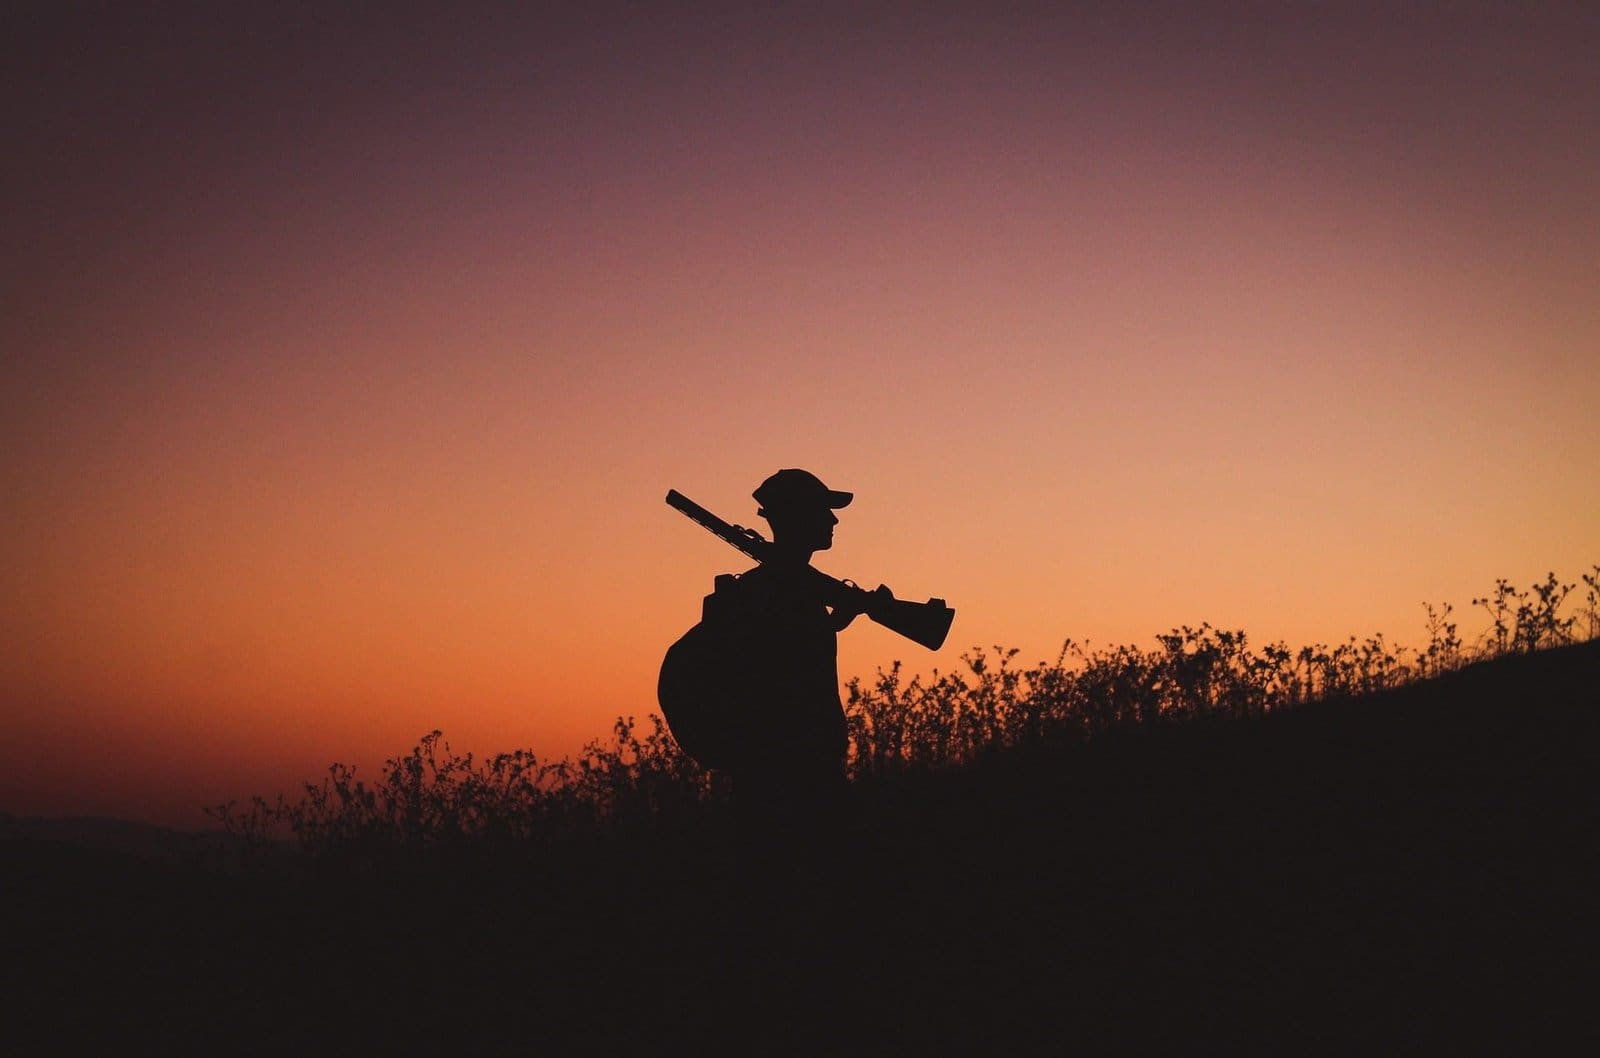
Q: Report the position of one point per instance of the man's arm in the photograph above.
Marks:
(853, 602)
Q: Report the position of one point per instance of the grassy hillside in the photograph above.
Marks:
(1412, 869)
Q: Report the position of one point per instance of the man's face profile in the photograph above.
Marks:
(809, 529)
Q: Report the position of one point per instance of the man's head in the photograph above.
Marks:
(799, 507)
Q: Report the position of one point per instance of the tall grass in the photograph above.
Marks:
(433, 799)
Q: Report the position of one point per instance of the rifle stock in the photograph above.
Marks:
(927, 623)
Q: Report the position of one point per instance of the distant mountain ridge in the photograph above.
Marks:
(148, 841)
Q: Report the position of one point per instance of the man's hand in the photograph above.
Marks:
(857, 601)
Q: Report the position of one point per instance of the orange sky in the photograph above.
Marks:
(348, 361)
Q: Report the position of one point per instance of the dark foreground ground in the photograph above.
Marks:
(1411, 873)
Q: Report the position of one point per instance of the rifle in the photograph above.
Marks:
(921, 622)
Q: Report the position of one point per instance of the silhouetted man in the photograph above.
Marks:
(789, 766)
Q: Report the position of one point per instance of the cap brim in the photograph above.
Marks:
(839, 499)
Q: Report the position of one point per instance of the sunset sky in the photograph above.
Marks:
(347, 358)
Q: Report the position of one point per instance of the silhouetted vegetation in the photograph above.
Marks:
(1071, 857)
(433, 800)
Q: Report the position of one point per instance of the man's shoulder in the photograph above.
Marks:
(778, 590)
(754, 576)
(769, 577)
(756, 583)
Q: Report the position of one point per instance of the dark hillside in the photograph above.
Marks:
(1415, 866)
(1410, 871)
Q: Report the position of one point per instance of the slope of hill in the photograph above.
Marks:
(1410, 871)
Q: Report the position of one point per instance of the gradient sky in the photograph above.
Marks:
(348, 357)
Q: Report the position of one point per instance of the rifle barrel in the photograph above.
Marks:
(747, 540)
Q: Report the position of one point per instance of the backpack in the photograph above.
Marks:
(706, 683)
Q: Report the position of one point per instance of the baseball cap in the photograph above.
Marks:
(792, 489)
